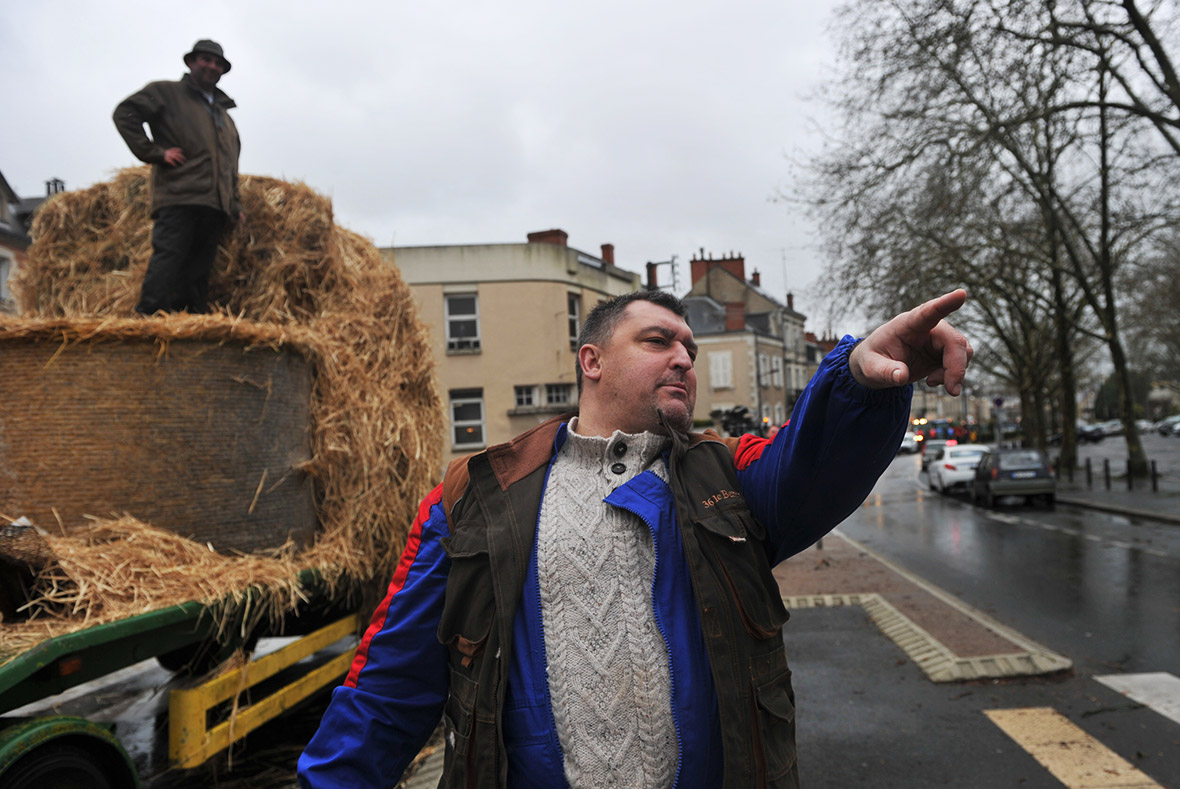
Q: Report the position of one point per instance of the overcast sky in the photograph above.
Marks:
(660, 127)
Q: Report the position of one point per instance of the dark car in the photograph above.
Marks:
(1013, 472)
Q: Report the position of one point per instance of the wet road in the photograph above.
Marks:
(1102, 589)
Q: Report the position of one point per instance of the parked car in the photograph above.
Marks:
(1013, 472)
(1089, 432)
(909, 444)
(1112, 427)
(931, 446)
(954, 466)
(1169, 426)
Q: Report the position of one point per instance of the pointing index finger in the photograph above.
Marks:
(928, 315)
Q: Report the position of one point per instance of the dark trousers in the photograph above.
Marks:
(184, 244)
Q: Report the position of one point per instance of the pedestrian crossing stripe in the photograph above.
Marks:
(1073, 757)
(1157, 691)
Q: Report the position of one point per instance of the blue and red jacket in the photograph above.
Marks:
(815, 472)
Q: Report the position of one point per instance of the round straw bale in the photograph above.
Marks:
(205, 438)
(286, 275)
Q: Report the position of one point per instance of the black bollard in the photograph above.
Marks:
(1089, 475)
(1155, 478)
(1106, 471)
(1130, 477)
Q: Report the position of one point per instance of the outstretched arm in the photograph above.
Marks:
(915, 345)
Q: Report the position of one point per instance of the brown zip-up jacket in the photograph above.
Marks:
(492, 499)
(179, 116)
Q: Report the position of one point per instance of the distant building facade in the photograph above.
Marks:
(16, 218)
(504, 320)
(753, 352)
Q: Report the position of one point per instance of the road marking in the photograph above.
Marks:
(1016, 520)
(1073, 757)
(1158, 691)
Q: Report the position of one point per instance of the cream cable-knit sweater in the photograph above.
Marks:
(608, 673)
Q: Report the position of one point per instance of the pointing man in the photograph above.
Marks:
(591, 604)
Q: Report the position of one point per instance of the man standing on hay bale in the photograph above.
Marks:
(592, 603)
(193, 152)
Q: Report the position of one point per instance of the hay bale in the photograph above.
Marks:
(287, 274)
(205, 438)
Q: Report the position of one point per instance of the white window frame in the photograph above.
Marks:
(559, 394)
(776, 371)
(7, 265)
(462, 344)
(573, 305)
(763, 366)
(529, 393)
(780, 414)
(462, 397)
(720, 369)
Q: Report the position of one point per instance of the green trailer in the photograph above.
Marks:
(117, 704)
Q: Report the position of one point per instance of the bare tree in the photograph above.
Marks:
(967, 121)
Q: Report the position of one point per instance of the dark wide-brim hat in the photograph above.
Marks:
(209, 48)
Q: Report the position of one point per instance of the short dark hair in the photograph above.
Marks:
(601, 322)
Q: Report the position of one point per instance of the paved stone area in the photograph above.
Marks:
(948, 639)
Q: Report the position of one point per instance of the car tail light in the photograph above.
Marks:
(952, 442)
(995, 473)
(949, 467)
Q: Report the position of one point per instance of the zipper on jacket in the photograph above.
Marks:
(667, 648)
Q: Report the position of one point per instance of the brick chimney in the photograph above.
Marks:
(554, 236)
(735, 316)
(756, 279)
(790, 301)
(653, 282)
(608, 253)
(734, 264)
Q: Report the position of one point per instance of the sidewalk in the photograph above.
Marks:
(1142, 501)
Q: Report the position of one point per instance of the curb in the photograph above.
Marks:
(1116, 510)
(935, 659)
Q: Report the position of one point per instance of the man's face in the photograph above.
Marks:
(648, 365)
(206, 69)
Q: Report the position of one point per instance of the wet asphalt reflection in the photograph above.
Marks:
(1102, 589)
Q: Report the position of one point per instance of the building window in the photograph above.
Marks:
(5, 270)
(776, 371)
(462, 322)
(526, 396)
(558, 394)
(721, 369)
(574, 306)
(467, 424)
(766, 413)
(779, 414)
(763, 370)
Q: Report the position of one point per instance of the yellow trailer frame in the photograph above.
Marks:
(190, 739)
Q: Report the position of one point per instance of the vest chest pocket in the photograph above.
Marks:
(469, 607)
(731, 541)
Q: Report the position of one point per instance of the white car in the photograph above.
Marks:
(909, 444)
(954, 466)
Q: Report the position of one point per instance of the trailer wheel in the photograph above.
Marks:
(58, 765)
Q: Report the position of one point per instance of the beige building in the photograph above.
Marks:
(752, 348)
(504, 319)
